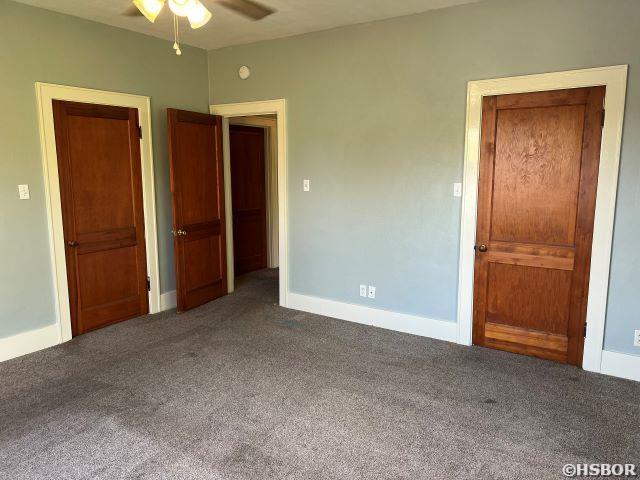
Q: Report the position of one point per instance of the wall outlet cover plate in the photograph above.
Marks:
(23, 192)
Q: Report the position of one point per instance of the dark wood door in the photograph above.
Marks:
(197, 186)
(249, 198)
(98, 150)
(539, 161)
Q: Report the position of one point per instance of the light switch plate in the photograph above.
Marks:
(457, 189)
(363, 290)
(372, 292)
(306, 185)
(636, 339)
(23, 191)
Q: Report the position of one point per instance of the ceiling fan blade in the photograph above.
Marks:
(247, 8)
(132, 11)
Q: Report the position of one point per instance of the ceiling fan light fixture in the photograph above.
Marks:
(181, 8)
(198, 15)
(149, 8)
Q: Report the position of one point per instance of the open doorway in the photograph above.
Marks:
(253, 170)
(259, 109)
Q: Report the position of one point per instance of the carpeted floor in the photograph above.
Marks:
(243, 389)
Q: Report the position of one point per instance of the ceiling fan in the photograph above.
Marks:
(195, 12)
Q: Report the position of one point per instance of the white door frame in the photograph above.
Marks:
(615, 79)
(277, 107)
(45, 93)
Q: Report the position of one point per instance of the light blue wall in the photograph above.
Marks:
(38, 45)
(376, 121)
(376, 116)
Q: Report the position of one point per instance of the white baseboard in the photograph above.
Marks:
(45, 337)
(168, 300)
(28, 342)
(620, 365)
(400, 322)
(613, 363)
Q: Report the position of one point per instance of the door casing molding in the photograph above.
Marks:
(615, 79)
(266, 107)
(45, 93)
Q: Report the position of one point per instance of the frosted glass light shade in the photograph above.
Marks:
(149, 8)
(198, 15)
(182, 7)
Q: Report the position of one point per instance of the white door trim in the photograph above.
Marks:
(45, 93)
(615, 79)
(277, 107)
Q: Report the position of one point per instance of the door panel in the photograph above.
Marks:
(536, 202)
(100, 174)
(537, 174)
(510, 288)
(93, 138)
(249, 198)
(202, 253)
(197, 186)
(195, 148)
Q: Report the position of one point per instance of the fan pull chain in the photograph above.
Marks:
(176, 43)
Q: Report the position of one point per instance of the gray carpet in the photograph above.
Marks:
(243, 389)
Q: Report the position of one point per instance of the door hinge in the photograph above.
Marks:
(584, 330)
(148, 284)
(602, 119)
(140, 131)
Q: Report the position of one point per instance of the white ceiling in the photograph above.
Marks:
(227, 28)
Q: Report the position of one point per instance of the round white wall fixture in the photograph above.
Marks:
(244, 72)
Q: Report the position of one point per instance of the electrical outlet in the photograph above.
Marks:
(23, 192)
(306, 185)
(636, 339)
(363, 290)
(372, 292)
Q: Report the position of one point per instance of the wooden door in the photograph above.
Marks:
(98, 150)
(197, 186)
(249, 198)
(539, 163)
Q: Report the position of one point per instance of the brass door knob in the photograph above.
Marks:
(482, 248)
(72, 243)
